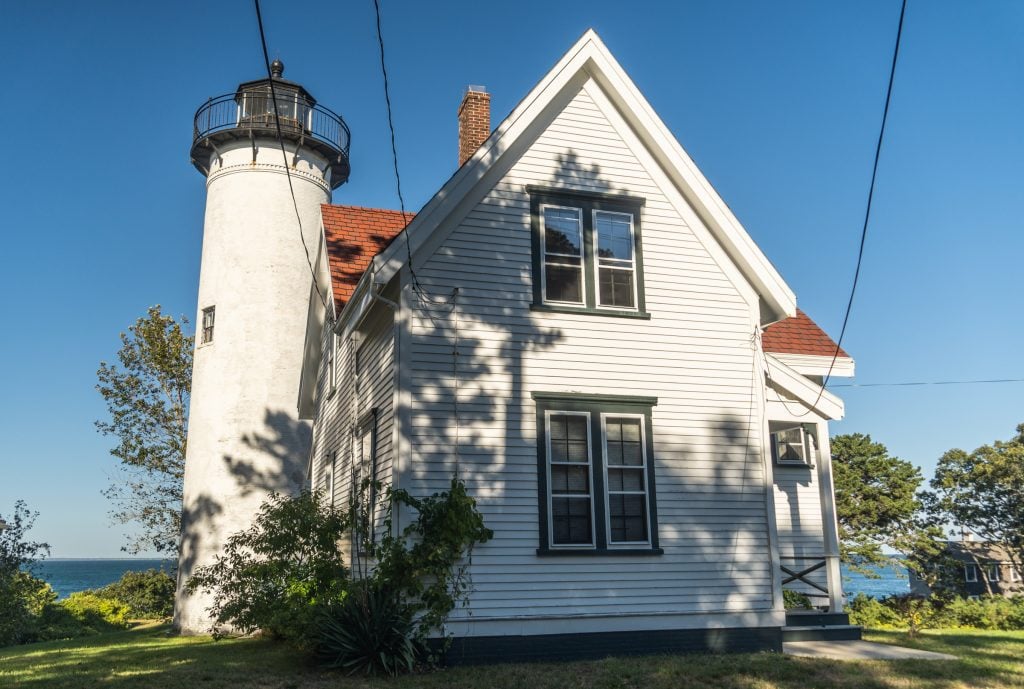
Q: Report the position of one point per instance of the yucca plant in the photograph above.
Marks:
(369, 632)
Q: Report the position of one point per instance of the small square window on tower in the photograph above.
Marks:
(208, 314)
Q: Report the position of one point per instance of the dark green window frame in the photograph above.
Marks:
(587, 203)
(595, 406)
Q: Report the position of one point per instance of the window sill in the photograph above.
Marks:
(551, 308)
(599, 552)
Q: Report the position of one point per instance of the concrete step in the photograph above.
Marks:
(832, 632)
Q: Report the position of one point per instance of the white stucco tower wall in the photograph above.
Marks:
(245, 439)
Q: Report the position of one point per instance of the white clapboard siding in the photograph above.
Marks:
(694, 355)
(339, 412)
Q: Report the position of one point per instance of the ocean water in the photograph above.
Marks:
(68, 576)
(891, 581)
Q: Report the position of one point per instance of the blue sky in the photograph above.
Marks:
(778, 103)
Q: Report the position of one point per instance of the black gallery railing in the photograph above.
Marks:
(249, 111)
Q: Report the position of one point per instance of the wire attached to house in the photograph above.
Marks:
(287, 167)
(929, 382)
(867, 211)
(394, 146)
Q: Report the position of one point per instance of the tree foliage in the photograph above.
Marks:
(876, 503)
(275, 575)
(983, 491)
(147, 396)
(22, 596)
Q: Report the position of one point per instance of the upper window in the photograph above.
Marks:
(587, 252)
(792, 444)
(970, 573)
(992, 572)
(208, 315)
(596, 473)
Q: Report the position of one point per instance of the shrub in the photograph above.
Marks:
(148, 594)
(871, 612)
(275, 575)
(22, 595)
(81, 614)
(794, 600)
(23, 598)
(369, 632)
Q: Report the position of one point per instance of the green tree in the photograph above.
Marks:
(22, 595)
(876, 503)
(147, 398)
(983, 491)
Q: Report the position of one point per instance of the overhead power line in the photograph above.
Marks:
(929, 382)
(287, 167)
(867, 209)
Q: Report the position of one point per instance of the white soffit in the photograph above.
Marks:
(806, 391)
(814, 365)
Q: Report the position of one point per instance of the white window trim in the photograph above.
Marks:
(1015, 574)
(332, 360)
(212, 309)
(551, 493)
(625, 545)
(544, 254)
(597, 263)
(970, 574)
(808, 442)
(329, 480)
(991, 568)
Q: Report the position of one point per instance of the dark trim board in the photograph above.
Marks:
(594, 645)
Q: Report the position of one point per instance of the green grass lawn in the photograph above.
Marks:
(148, 657)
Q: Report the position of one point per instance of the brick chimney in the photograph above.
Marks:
(474, 121)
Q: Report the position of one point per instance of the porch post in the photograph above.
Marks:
(829, 524)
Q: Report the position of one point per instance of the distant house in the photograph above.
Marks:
(578, 326)
(976, 569)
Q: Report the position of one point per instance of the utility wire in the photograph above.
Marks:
(867, 210)
(394, 147)
(929, 382)
(284, 155)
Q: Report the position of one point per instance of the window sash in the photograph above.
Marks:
(209, 314)
(970, 573)
(614, 264)
(992, 573)
(552, 495)
(642, 468)
(562, 260)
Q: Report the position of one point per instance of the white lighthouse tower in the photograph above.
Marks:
(245, 438)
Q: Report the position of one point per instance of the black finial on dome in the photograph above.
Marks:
(277, 69)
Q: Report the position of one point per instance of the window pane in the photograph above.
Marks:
(570, 479)
(625, 480)
(562, 231)
(614, 238)
(570, 521)
(624, 445)
(564, 283)
(789, 445)
(616, 287)
(577, 427)
(628, 518)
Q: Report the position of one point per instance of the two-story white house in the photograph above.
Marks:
(578, 326)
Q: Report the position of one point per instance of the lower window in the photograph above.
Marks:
(595, 473)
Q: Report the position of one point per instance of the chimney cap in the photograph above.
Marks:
(476, 88)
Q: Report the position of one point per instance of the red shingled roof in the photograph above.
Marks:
(354, 235)
(798, 335)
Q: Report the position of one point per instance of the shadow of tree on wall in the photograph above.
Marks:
(271, 464)
(503, 352)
